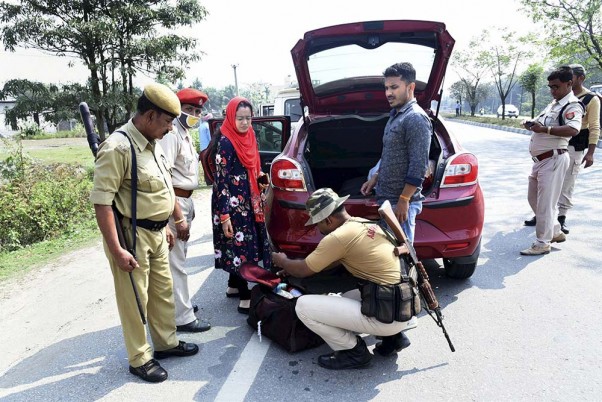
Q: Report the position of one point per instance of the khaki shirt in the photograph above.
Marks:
(591, 120)
(544, 142)
(113, 179)
(362, 248)
(180, 153)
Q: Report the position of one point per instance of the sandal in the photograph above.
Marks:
(232, 292)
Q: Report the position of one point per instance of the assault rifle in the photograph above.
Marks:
(93, 141)
(424, 286)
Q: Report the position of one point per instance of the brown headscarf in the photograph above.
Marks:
(245, 145)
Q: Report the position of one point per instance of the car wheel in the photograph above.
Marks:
(462, 267)
(457, 270)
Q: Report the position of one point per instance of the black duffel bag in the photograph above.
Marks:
(275, 318)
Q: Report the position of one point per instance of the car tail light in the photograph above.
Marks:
(286, 174)
(461, 170)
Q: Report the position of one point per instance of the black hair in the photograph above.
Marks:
(405, 71)
(564, 74)
(144, 105)
(245, 104)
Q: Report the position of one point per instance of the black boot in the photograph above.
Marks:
(357, 357)
(531, 222)
(392, 344)
(563, 228)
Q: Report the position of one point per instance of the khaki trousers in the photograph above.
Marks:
(177, 264)
(545, 183)
(337, 319)
(154, 285)
(566, 194)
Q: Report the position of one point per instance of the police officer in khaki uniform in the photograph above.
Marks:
(180, 153)
(157, 107)
(552, 130)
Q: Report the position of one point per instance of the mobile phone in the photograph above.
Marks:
(263, 179)
(529, 124)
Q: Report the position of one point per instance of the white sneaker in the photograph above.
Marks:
(537, 250)
(559, 238)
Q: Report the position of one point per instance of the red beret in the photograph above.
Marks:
(192, 96)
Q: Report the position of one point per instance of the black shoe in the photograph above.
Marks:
(195, 308)
(392, 344)
(531, 222)
(151, 371)
(195, 326)
(563, 228)
(243, 310)
(357, 357)
(183, 349)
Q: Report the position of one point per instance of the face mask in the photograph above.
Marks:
(188, 120)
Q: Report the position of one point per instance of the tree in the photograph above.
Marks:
(471, 66)
(458, 91)
(503, 57)
(36, 100)
(573, 27)
(530, 81)
(115, 40)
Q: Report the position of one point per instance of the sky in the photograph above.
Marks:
(257, 36)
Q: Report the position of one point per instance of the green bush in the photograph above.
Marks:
(40, 202)
(31, 130)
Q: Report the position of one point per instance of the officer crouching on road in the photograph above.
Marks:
(155, 199)
(366, 252)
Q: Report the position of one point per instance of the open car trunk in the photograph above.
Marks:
(340, 153)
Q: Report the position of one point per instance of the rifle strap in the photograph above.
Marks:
(134, 191)
(391, 237)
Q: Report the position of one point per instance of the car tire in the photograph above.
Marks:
(462, 267)
(456, 270)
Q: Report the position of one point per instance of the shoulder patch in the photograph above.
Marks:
(569, 115)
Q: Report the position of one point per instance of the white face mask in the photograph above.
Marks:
(188, 120)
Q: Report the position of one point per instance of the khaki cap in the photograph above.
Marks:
(321, 204)
(163, 97)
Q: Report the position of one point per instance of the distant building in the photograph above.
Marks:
(5, 105)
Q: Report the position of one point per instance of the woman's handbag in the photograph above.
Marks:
(388, 303)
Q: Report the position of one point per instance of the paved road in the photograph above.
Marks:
(525, 328)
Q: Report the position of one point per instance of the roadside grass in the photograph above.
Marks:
(17, 263)
(48, 149)
(507, 122)
(71, 154)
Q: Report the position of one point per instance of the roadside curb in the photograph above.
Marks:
(504, 128)
(493, 126)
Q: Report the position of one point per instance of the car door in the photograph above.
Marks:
(271, 132)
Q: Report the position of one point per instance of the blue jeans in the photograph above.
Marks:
(409, 226)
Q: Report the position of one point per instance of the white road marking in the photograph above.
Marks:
(245, 370)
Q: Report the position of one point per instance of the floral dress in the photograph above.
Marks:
(232, 195)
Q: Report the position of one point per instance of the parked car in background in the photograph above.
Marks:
(339, 138)
(511, 111)
(597, 89)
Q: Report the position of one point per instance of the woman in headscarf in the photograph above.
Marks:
(239, 231)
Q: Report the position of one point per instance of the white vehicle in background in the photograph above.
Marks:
(288, 103)
(597, 89)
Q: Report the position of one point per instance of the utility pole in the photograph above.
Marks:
(235, 78)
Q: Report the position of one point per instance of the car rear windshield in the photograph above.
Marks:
(344, 64)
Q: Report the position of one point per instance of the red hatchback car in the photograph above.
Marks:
(339, 138)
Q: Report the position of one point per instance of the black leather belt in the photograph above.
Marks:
(548, 154)
(155, 226)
